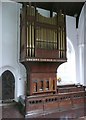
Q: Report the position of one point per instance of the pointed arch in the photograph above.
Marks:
(8, 85)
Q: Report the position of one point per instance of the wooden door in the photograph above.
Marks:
(8, 85)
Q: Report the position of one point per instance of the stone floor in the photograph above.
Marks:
(11, 111)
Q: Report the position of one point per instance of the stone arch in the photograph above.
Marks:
(13, 71)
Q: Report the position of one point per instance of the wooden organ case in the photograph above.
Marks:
(42, 50)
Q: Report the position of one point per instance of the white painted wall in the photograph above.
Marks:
(72, 36)
(0, 33)
(0, 52)
(45, 13)
(82, 45)
(10, 45)
(69, 72)
(85, 44)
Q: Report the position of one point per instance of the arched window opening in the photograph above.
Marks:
(66, 73)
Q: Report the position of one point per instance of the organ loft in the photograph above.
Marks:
(42, 51)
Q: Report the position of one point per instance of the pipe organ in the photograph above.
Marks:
(42, 50)
(41, 36)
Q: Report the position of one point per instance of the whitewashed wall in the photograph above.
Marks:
(82, 45)
(0, 51)
(70, 68)
(0, 33)
(72, 37)
(10, 45)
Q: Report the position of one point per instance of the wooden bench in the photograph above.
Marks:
(70, 88)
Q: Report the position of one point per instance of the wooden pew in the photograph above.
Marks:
(70, 88)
